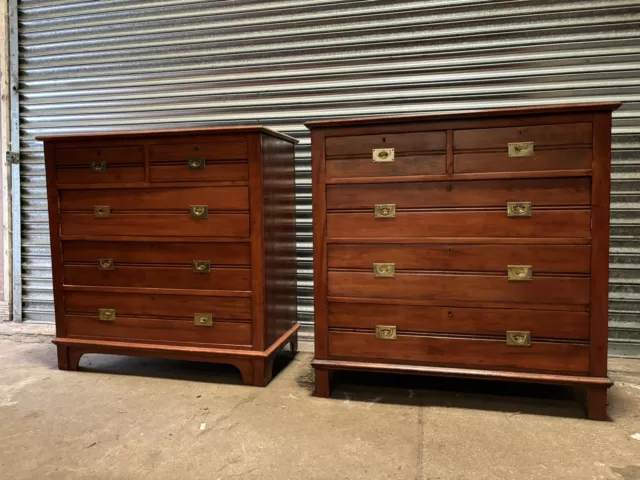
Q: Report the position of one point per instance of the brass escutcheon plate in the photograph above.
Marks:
(386, 332)
(384, 270)
(518, 209)
(202, 319)
(520, 149)
(102, 211)
(106, 264)
(385, 210)
(519, 339)
(199, 211)
(519, 272)
(99, 166)
(107, 314)
(196, 163)
(383, 155)
(201, 266)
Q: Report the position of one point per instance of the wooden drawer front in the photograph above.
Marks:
(156, 224)
(160, 253)
(419, 153)
(154, 330)
(151, 305)
(100, 165)
(144, 276)
(216, 161)
(156, 199)
(480, 193)
(555, 147)
(557, 324)
(480, 223)
(480, 288)
(475, 258)
(479, 353)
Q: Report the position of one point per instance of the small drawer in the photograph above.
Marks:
(406, 224)
(481, 353)
(394, 154)
(153, 305)
(156, 253)
(541, 289)
(99, 165)
(526, 148)
(556, 324)
(156, 199)
(476, 193)
(201, 162)
(473, 258)
(158, 330)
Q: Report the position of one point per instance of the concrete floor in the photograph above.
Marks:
(130, 418)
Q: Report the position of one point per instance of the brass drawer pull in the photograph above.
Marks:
(199, 211)
(518, 209)
(521, 149)
(201, 266)
(519, 339)
(519, 272)
(102, 211)
(202, 319)
(385, 210)
(386, 332)
(384, 270)
(383, 155)
(106, 264)
(99, 167)
(107, 314)
(196, 163)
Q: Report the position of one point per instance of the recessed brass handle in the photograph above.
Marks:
(107, 314)
(518, 209)
(199, 211)
(521, 149)
(102, 211)
(519, 272)
(196, 163)
(99, 167)
(386, 332)
(201, 266)
(383, 155)
(519, 339)
(202, 319)
(385, 210)
(106, 264)
(384, 270)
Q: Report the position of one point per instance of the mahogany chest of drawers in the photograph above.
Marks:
(174, 244)
(468, 245)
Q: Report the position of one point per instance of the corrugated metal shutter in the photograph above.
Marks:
(133, 64)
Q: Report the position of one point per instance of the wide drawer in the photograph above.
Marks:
(155, 330)
(158, 253)
(200, 161)
(156, 224)
(556, 324)
(551, 223)
(154, 305)
(156, 199)
(479, 288)
(524, 148)
(416, 153)
(478, 193)
(480, 353)
(99, 165)
(475, 258)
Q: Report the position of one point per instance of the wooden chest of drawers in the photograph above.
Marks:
(175, 244)
(469, 245)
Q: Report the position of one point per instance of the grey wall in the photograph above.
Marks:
(115, 64)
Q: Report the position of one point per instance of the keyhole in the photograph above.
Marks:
(450, 313)
(449, 250)
(449, 187)
(195, 149)
(384, 140)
